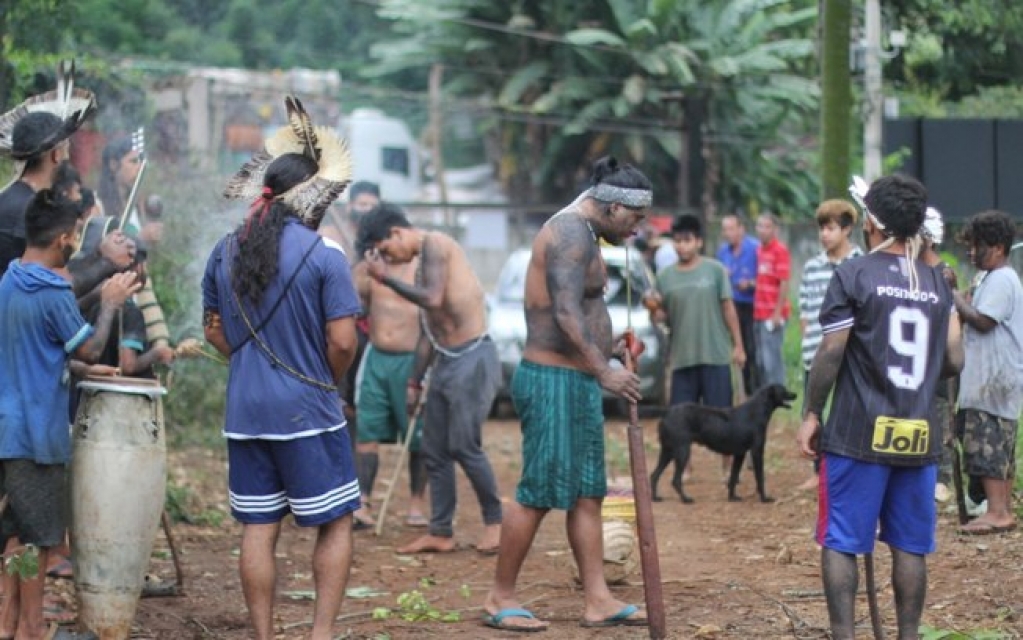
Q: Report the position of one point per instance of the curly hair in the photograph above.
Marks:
(899, 203)
(991, 228)
(257, 260)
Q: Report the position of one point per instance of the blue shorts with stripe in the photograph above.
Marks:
(854, 496)
(312, 477)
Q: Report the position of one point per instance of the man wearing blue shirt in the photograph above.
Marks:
(738, 253)
(278, 300)
(41, 328)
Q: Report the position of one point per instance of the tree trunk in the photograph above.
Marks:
(836, 99)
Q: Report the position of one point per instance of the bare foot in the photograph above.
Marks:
(984, 525)
(509, 614)
(490, 542)
(428, 544)
(810, 484)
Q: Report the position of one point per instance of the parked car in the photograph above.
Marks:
(507, 322)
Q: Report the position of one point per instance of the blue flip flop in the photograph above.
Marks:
(620, 619)
(497, 620)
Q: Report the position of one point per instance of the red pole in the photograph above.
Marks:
(648, 558)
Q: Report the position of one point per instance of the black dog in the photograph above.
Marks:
(727, 431)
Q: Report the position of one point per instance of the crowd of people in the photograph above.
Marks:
(346, 328)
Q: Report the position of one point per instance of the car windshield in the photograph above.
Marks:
(511, 284)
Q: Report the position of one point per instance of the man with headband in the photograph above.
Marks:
(887, 339)
(557, 393)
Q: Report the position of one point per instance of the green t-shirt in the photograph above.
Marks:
(692, 300)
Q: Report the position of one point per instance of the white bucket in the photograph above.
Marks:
(118, 478)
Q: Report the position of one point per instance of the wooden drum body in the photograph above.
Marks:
(118, 483)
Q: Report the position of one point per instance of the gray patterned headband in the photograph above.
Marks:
(632, 198)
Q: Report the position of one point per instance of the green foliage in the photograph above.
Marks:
(23, 563)
(414, 606)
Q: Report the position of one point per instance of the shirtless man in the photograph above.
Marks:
(557, 394)
(381, 409)
(465, 375)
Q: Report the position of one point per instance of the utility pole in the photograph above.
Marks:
(872, 89)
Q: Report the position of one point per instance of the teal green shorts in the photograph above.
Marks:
(380, 407)
(562, 436)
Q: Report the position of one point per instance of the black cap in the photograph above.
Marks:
(39, 132)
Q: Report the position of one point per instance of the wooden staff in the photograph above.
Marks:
(648, 558)
(409, 432)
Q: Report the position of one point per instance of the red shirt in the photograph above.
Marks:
(774, 266)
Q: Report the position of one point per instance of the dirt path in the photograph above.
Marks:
(730, 570)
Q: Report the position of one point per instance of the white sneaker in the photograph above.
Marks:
(974, 509)
(941, 492)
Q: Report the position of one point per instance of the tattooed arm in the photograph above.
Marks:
(568, 258)
(434, 267)
(823, 373)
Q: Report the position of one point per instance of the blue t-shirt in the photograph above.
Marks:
(740, 267)
(40, 326)
(263, 399)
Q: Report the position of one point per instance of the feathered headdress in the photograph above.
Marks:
(67, 107)
(311, 198)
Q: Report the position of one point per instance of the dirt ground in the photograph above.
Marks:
(729, 570)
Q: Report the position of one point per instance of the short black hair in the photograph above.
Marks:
(361, 187)
(47, 217)
(991, 228)
(899, 202)
(65, 177)
(687, 223)
(376, 225)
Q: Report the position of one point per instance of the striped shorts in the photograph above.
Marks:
(562, 436)
(312, 477)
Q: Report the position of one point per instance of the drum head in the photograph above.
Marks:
(123, 384)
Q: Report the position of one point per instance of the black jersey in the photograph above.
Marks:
(885, 390)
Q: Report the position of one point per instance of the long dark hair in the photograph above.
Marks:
(256, 261)
(109, 193)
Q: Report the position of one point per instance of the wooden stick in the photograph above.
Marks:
(409, 432)
(648, 558)
(179, 574)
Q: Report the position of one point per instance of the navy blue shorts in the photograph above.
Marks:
(311, 477)
(854, 496)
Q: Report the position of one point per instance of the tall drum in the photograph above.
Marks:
(118, 477)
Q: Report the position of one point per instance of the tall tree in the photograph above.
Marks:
(836, 98)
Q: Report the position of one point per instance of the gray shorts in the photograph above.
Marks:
(37, 505)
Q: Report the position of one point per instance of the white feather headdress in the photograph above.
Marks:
(311, 198)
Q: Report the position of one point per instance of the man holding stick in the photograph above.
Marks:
(465, 375)
(887, 339)
(381, 410)
(557, 393)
